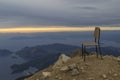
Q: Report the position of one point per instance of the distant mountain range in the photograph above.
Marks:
(41, 56)
(44, 55)
(30, 53)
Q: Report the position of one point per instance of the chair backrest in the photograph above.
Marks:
(97, 35)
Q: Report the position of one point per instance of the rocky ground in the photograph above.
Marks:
(67, 68)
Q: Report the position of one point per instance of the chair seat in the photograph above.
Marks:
(89, 44)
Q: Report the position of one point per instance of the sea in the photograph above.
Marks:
(17, 41)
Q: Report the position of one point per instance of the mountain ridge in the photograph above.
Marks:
(36, 55)
(76, 69)
(5, 52)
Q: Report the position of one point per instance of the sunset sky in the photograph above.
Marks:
(58, 15)
(52, 29)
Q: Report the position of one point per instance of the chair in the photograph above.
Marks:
(96, 43)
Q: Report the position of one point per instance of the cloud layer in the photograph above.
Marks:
(59, 13)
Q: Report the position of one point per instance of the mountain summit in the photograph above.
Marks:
(67, 68)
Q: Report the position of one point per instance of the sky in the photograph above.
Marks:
(69, 13)
(54, 29)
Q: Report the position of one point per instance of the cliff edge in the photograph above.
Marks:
(67, 68)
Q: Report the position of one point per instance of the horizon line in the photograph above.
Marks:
(53, 29)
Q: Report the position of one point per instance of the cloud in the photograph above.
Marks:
(59, 12)
(86, 8)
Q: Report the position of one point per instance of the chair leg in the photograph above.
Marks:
(97, 50)
(100, 52)
(82, 51)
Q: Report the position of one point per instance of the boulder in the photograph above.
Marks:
(62, 59)
(46, 74)
(75, 72)
(72, 66)
(65, 68)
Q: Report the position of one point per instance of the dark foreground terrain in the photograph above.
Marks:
(75, 68)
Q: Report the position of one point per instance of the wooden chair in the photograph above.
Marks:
(96, 43)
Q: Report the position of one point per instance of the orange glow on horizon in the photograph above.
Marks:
(52, 29)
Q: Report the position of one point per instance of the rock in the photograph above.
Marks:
(87, 64)
(118, 59)
(56, 77)
(81, 68)
(46, 74)
(110, 72)
(72, 66)
(104, 76)
(115, 75)
(62, 59)
(90, 78)
(60, 78)
(41, 78)
(64, 68)
(75, 72)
